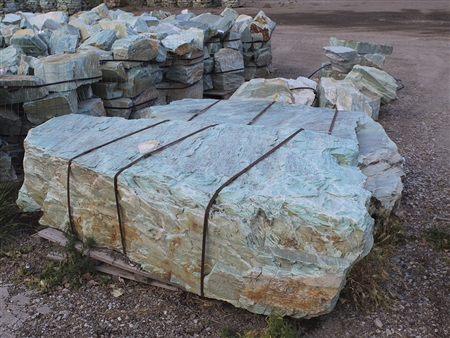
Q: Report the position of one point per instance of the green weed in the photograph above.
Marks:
(72, 271)
(439, 236)
(276, 327)
(365, 286)
(8, 210)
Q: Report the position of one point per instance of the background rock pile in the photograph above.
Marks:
(355, 79)
(111, 63)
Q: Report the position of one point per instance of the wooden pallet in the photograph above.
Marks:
(113, 266)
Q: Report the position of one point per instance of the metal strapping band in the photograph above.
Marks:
(53, 83)
(213, 199)
(188, 86)
(202, 111)
(87, 152)
(131, 107)
(116, 176)
(315, 92)
(332, 122)
(260, 113)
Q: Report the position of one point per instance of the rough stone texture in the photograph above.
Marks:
(38, 20)
(140, 79)
(10, 58)
(57, 104)
(185, 74)
(7, 172)
(362, 47)
(374, 80)
(229, 81)
(207, 82)
(63, 41)
(378, 157)
(372, 60)
(11, 19)
(10, 122)
(172, 91)
(297, 222)
(380, 161)
(271, 90)
(342, 58)
(345, 96)
(222, 24)
(103, 40)
(227, 59)
(92, 107)
(208, 65)
(262, 26)
(114, 71)
(197, 34)
(118, 108)
(85, 29)
(107, 90)
(179, 44)
(146, 99)
(8, 32)
(137, 47)
(82, 67)
(117, 26)
(51, 24)
(101, 10)
(233, 40)
(12, 91)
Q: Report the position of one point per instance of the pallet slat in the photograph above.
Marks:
(117, 266)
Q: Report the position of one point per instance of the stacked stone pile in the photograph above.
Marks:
(69, 6)
(187, 3)
(355, 79)
(109, 62)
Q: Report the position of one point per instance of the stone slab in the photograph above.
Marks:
(21, 88)
(56, 104)
(76, 69)
(299, 219)
(362, 47)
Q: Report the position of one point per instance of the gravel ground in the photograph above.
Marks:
(419, 123)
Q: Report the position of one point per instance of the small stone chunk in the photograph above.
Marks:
(53, 105)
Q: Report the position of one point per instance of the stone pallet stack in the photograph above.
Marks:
(69, 6)
(114, 63)
(280, 239)
(355, 79)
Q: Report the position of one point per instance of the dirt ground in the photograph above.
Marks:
(418, 122)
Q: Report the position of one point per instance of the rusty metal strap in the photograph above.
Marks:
(202, 111)
(116, 176)
(131, 107)
(216, 194)
(53, 83)
(333, 121)
(91, 150)
(188, 86)
(260, 113)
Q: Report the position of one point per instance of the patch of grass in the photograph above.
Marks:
(439, 236)
(267, 6)
(72, 271)
(277, 327)
(9, 211)
(365, 286)
(14, 253)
